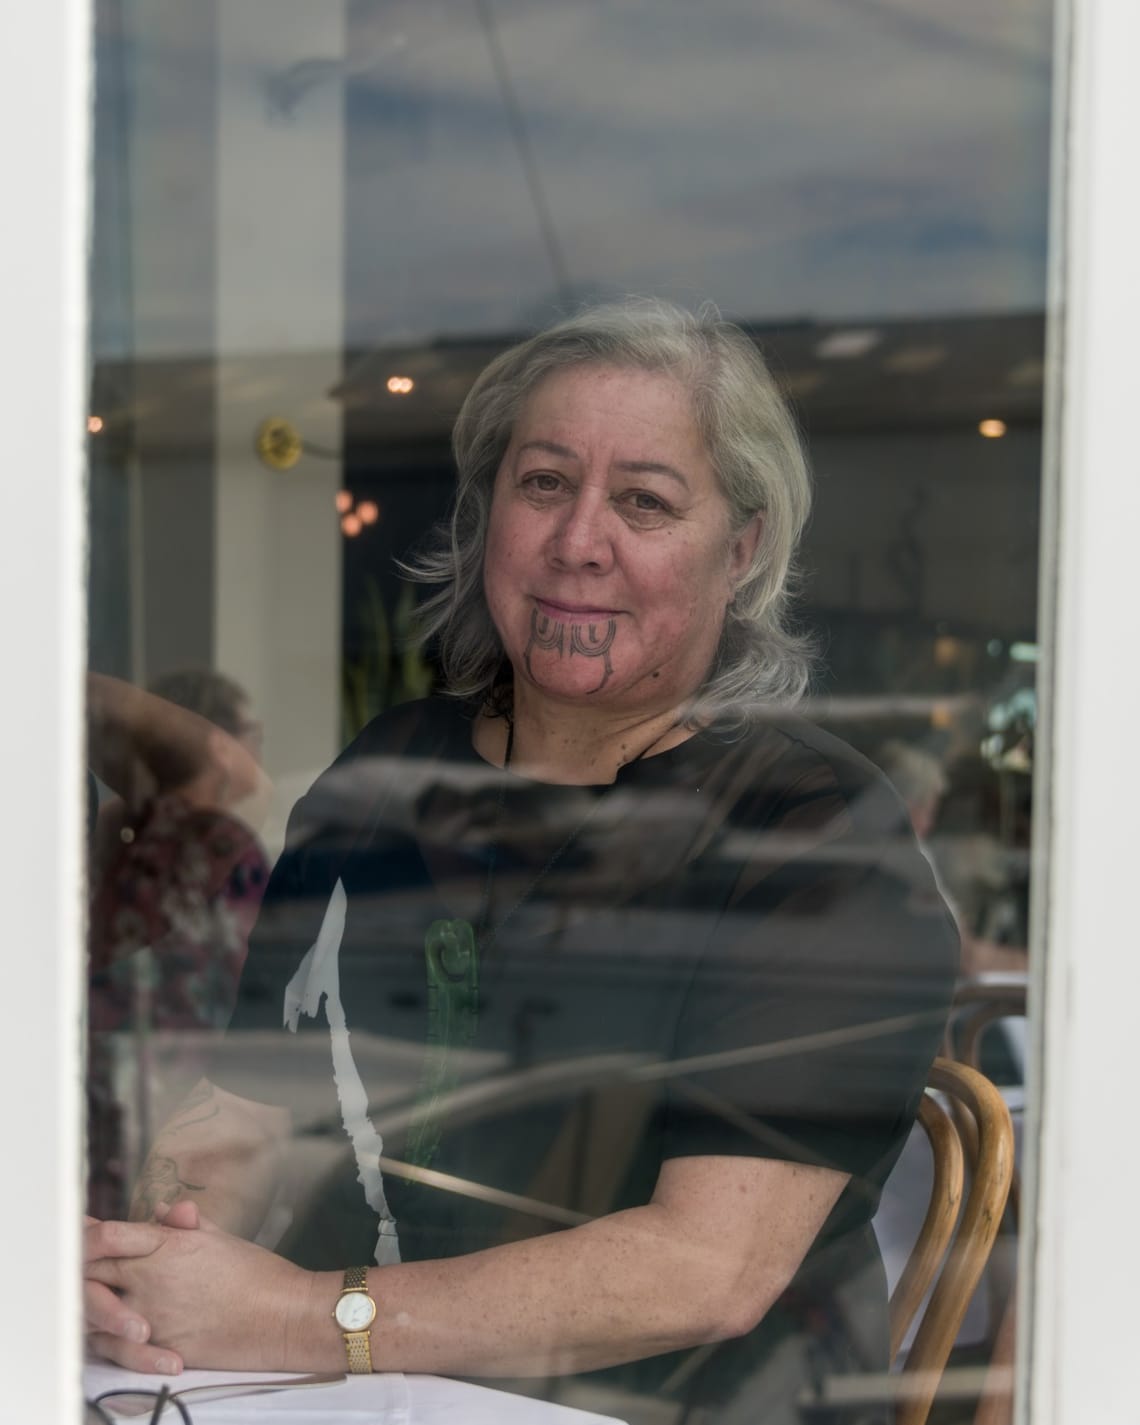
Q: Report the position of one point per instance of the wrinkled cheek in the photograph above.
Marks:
(507, 613)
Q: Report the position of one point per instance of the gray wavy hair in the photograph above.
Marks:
(754, 448)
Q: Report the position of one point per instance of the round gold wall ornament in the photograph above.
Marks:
(279, 444)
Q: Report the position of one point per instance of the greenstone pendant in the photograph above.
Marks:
(451, 956)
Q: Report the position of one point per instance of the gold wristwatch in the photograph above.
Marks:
(354, 1313)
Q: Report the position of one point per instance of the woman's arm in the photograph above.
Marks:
(224, 1153)
(703, 1261)
(128, 727)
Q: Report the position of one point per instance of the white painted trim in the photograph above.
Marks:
(44, 144)
(1085, 1260)
(1078, 1296)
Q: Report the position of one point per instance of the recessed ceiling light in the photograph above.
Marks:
(849, 344)
(992, 429)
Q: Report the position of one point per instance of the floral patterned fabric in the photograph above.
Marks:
(174, 899)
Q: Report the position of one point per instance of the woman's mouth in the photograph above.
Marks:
(574, 613)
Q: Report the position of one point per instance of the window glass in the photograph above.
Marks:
(533, 858)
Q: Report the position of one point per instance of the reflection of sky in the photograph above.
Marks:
(793, 157)
(824, 158)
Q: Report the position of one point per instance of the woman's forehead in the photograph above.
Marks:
(623, 404)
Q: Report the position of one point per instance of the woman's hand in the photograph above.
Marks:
(204, 1297)
(114, 1330)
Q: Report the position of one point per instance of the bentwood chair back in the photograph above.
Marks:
(938, 1225)
(982, 1004)
(954, 1267)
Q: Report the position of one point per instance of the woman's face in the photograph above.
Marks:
(610, 559)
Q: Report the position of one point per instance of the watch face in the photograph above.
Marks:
(355, 1311)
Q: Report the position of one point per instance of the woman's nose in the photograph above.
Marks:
(582, 537)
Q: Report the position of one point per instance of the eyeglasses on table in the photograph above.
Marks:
(167, 1406)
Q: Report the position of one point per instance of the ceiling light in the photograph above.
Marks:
(400, 385)
(351, 525)
(343, 502)
(849, 344)
(369, 511)
(991, 429)
(94, 424)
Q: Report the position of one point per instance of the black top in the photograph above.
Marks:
(737, 948)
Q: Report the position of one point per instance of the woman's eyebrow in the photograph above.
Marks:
(549, 447)
(627, 467)
(652, 467)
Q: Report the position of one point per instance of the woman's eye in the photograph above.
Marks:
(544, 482)
(646, 504)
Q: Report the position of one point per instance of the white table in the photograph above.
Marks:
(377, 1399)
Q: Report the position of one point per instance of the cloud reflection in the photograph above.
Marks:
(822, 158)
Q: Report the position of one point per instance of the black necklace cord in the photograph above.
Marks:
(645, 751)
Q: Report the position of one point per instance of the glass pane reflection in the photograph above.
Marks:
(315, 227)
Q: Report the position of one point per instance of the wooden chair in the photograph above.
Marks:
(952, 1267)
(982, 1004)
(978, 1005)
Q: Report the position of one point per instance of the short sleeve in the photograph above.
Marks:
(820, 1001)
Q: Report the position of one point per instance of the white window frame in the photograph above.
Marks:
(45, 126)
(1081, 1254)
(1080, 1248)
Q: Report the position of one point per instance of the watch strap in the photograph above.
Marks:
(358, 1348)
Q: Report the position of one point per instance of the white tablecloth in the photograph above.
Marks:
(378, 1399)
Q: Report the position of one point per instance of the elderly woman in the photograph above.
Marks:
(665, 962)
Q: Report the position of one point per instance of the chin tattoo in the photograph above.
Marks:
(587, 640)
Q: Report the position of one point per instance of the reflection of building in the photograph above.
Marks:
(353, 174)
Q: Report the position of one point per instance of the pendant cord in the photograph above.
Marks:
(485, 913)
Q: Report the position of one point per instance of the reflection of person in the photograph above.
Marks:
(608, 860)
(919, 779)
(176, 878)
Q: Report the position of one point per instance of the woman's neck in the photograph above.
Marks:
(555, 743)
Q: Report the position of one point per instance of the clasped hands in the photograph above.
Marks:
(180, 1291)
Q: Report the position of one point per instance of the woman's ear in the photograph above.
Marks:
(742, 549)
